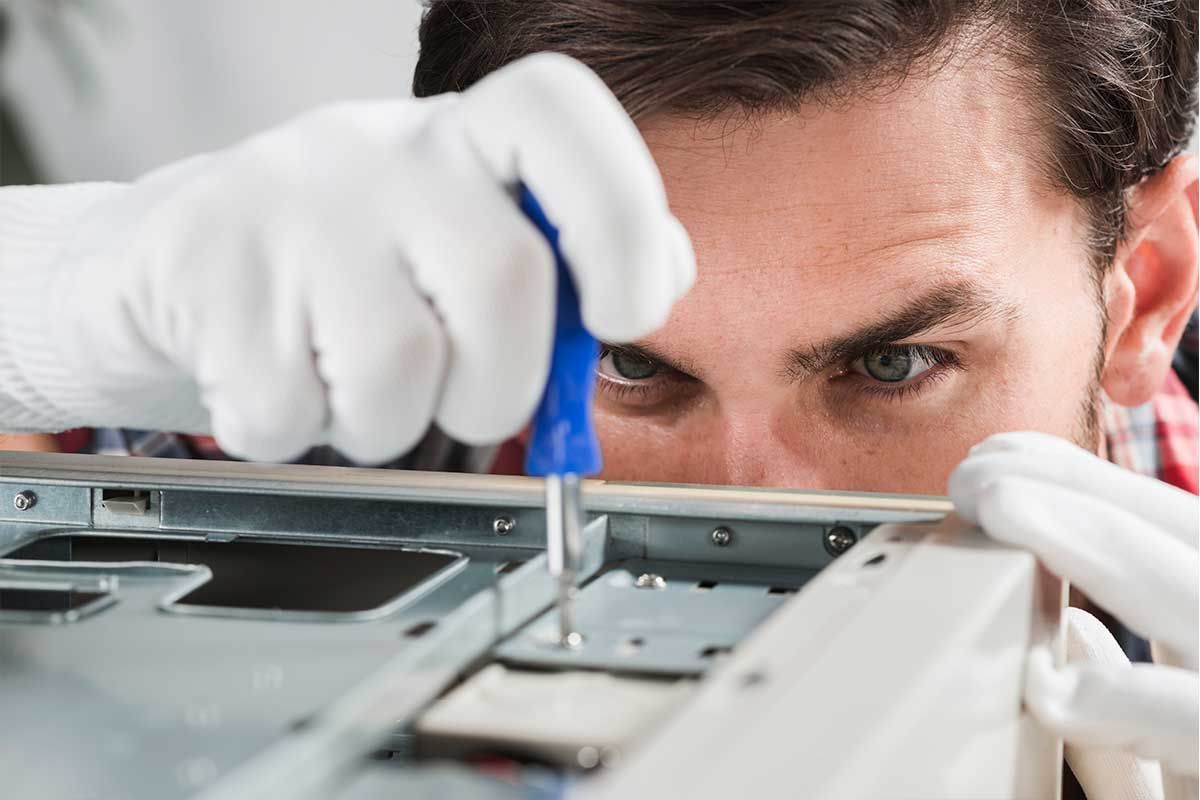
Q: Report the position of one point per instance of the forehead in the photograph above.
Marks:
(950, 155)
(822, 209)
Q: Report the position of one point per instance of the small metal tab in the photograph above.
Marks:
(135, 502)
(648, 580)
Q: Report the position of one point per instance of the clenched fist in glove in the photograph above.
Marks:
(1129, 542)
(348, 278)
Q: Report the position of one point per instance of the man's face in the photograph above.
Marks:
(880, 287)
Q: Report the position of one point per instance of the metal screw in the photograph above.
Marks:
(23, 501)
(721, 537)
(839, 539)
(503, 525)
(648, 580)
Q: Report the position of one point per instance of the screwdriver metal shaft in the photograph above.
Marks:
(564, 545)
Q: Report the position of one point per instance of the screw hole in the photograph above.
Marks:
(301, 723)
(752, 679)
(630, 647)
(420, 629)
(714, 651)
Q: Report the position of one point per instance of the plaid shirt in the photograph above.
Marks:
(1160, 438)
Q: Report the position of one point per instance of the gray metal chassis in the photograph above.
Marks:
(135, 696)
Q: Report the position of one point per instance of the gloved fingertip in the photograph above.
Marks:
(635, 314)
(684, 256)
(1047, 688)
(483, 429)
(627, 288)
(260, 429)
(234, 440)
(1021, 442)
(1007, 442)
(964, 487)
(1010, 510)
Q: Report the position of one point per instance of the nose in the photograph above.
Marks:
(754, 451)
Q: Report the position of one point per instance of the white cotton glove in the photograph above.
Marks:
(1129, 542)
(363, 271)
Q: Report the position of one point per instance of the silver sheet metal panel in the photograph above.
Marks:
(223, 630)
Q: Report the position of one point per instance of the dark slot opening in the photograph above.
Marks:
(420, 629)
(12, 599)
(262, 575)
(705, 585)
(875, 561)
(782, 590)
(712, 652)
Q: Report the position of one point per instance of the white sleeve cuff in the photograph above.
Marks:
(38, 392)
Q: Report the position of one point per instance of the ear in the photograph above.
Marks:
(1151, 290)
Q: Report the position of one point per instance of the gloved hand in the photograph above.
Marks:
(1129, 542)
(364, 270)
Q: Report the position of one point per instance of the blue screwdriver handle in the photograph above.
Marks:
(564, 438)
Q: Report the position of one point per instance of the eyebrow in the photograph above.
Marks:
(960, 303)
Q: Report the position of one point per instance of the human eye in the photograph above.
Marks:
(626, 366)
(895, 371)
(629, 376)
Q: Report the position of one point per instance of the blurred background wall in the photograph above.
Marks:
(107, 89)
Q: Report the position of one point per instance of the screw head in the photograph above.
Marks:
(648, 580)
(721, 537)
(23, 501)
(503, 525)
(839, 539)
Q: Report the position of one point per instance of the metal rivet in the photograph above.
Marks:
(721, 537)
(588, 757)
(648, 580)
(839, 539)
(23, 501)
(503, 525)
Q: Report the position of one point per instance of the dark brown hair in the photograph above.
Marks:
(1113, 81)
